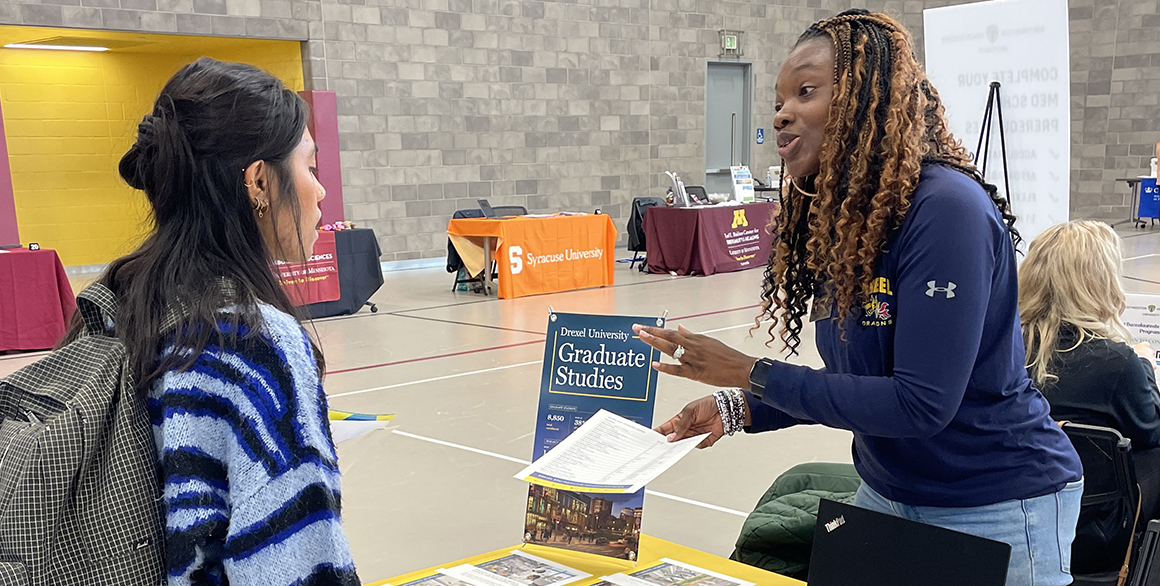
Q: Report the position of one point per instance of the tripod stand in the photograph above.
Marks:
(994, 105)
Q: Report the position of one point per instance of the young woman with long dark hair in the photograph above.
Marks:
(233, 382)
(905, 261)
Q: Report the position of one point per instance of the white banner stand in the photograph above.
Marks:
(1023, 45)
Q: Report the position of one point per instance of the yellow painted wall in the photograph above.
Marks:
(70, 116)
(283, 59)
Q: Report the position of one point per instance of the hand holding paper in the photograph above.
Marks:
(346, 425)
(608, 454)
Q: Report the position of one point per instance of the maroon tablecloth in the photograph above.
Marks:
(707, 240)
(36, 300)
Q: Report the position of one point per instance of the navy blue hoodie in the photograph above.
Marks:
(931, 377)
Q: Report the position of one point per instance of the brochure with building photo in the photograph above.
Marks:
(516, 569)
(672, 573)
(435, 580)
(603, 524)
(591, 362)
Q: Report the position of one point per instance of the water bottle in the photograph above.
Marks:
(683, 194)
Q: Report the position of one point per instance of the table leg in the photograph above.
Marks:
(1135, 205)
(1132, 206)
(487, 282)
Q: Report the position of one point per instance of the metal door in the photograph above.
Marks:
(728, 122)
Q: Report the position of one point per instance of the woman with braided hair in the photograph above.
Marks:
(904, 259)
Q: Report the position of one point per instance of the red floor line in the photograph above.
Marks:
(464, 323)
(465, 352)
(425, 358)
(713, 312)
(490, 348)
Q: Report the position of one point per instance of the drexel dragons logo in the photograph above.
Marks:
(877, 309)
(739, 219)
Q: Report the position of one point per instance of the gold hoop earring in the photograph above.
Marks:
(248, 184)
(260, 207)
(799, 189)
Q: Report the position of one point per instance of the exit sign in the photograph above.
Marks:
(730, 43)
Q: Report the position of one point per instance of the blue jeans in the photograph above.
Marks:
(1040, 530)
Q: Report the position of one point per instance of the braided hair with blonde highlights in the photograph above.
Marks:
(885, 122)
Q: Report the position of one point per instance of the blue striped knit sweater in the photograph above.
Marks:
(250, 473)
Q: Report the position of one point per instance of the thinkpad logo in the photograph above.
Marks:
(934, 288)
(835, 524)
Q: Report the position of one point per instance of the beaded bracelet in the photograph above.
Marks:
(735, 414)
(739, 403)
(723, 409)
(731, 405)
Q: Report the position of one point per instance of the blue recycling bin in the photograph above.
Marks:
(1149, 206)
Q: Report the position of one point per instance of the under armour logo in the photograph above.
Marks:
(949, 289)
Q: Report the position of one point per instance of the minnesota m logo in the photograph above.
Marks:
(739, 219)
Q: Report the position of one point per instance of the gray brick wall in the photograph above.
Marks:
(549, 105)
(274, 19)
(579, 104)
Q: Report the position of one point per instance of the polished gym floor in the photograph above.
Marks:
(462, 372)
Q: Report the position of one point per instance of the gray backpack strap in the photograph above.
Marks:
(98, 307)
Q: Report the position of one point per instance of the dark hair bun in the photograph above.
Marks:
(130, 166)
(133, 166)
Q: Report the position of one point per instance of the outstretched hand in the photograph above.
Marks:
(703, 359)
(700, 416)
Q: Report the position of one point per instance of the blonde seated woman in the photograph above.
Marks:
(1078, 355)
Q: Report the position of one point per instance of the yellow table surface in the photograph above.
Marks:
(652, 549)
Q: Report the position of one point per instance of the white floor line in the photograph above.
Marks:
(461, 447)
(450, 376)
(1142, 256)
(681, 499)
(430, 380)
(663, 495)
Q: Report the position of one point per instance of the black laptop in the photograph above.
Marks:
(854, 546)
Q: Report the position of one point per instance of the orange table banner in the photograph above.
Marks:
(542, 254)
(317, 280)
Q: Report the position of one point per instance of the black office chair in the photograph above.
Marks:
(697, 191)
(1108, 510)
(1146, 570)
(636, 243)
(505, 211)
(454, 262)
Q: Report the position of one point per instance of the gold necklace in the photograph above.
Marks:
(800, 190)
